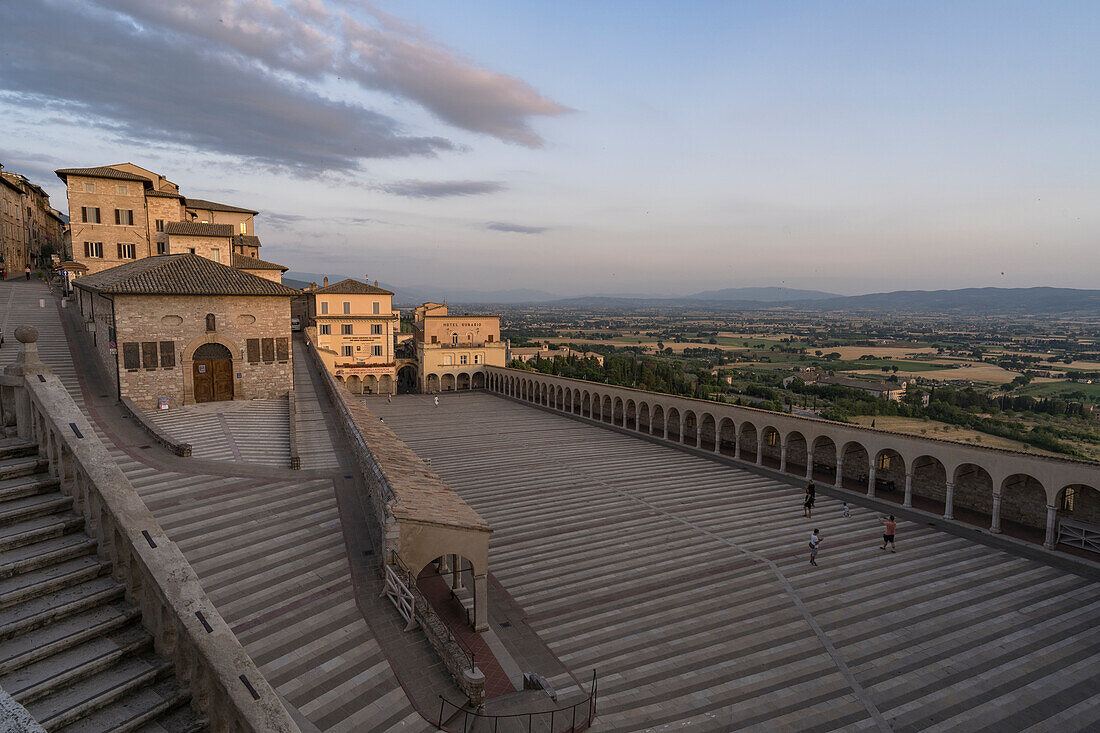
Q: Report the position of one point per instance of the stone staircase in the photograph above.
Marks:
(72, 649)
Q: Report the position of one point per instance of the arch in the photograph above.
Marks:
(672, 425)
(928, 479)
(969, 496)
(796, 453)
(618, 413)
(708, 433)
(630, 415)
(477, 381)
(210, 369)
(354, 384)
(644, 418)
(432, 383)
(771, 447)
(855, 466)
(1023, 502)
(746, 442)
(447, 383)
(445, 580)
(823, 460)
(1080, 502)
(577, 402)
(727, 436)
(889, 475)
(657, 421)
(691, 428)
(406, 379)
(212, 350)
(586, 404)
(606, 409)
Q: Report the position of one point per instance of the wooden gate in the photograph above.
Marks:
(212, 373)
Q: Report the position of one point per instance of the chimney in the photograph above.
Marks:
(326, 282)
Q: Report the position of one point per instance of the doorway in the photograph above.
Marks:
(213, 373)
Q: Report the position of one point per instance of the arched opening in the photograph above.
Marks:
(586, 405)
(1023, 507)
(1078, 515)
(856, 467)
(929, 484)
(370, 384)
(448, 584)
(478, 380)
(354, 384)
(657, 421)
(644, 418)
(605, 410)
(577, 401)
(824, 460)
(890, 476)
(746, 442)
(618, 413)
(771, 447)
(727, 436)
(559, 398)
(597, 406)
(1080, 502)
(796, 453)
(972, 498)
(630, 416)
(708, 433)
(212, 373)
(432, 383)
(447, 383)
(672, 421)
(406, 379)
(691, 428)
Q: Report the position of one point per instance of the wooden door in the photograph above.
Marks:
(223, 379)
(204, 380)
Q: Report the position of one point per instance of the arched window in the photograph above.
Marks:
(210, 327)
(469, 338)
(454, 339)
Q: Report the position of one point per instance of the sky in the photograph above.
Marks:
(592, 147)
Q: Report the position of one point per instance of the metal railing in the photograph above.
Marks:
(411, 583)
(567, 716)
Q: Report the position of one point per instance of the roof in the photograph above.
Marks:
(163, 194)
(182, 274)
(102, 171)
(11, 182)
(244, 262)
(246, 240)
(351, 287)
(198, 229)
(215, 206)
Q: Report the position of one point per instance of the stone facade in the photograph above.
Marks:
(98, 242)
(356, 325)
(30, 229)
(453, 351)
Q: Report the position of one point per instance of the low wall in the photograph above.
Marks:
(292, 406)
(177, 447)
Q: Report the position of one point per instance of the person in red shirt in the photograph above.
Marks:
(889, 526)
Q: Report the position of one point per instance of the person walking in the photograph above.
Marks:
(27, 271)
(889, 527)
(808, 503)
(847, 510)
(437, 400)
(815, 540)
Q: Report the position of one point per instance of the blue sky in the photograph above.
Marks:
(582, 147)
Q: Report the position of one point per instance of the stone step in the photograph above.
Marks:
(15, 488)
(17, 448)
(24, 587)
(182, 719)
(38, 612)
(37, 529)
(52, 674)
(65, 633)
(30, 507)
(86, 696)
(158, 707)
(16, 467)
(42, 554)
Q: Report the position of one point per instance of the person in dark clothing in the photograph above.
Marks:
(27, 270)
(808, 504)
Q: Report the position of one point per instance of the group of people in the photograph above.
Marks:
(889, 524)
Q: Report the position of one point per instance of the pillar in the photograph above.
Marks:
(908, 489)
(665, 433)
(783, 458)
(737, 446)
(760, 448)
(456, 572)
(809, 465)
(995, 527)
(637, 419)
(698, 434)
(680, 436)
(1052, 522)
(949, 504)
(481, 603)
(612, 413)
(839, 470)
(871, 480)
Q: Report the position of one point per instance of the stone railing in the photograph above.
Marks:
(208, 659)
(292, 411)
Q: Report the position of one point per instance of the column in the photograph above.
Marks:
(1052, 521)
(809, 466)
(481, 603)
(456, 572)
(839, 471)
(612, 413)
(949, 504)
(760, 449)
(995, 527)
(908, 490)
(783, 458)
(698, 434)
(638, 420)
(717, 439)
(680, 435)
(737, 446)
(871, 480)
(665, 428)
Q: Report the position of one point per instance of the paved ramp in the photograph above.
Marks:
(245, 431)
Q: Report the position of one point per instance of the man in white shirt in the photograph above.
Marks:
(815, 540)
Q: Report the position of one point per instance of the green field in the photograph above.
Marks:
(1065, 390)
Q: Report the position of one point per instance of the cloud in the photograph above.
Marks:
(500, 226)
(372, 48)
(38, 168)
(440, 189)
(283, 221)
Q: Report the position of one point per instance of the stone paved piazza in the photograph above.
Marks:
(686, 584)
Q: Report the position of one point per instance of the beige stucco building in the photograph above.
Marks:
(184, 329)
(355, 327)
(453, 351)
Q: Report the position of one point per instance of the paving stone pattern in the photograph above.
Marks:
(686, 584)
(315, 442)
(253, 431)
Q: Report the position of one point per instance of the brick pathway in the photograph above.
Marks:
(686, 583)
(256, 431)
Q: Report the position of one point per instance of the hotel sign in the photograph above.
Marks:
(363, 371)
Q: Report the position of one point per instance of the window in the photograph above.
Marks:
(376, 328)
(167, 354)
(160, 225)
(345, 329)
(215, 254)
(773, 438)
(347, 307)
(124, 217)
(469, 338)
(325, 329)
(93, 249)
(448, 360)
(131, 356)
(211, 323)
(126, 251)
(89, 214)
(477, 358)
(435, 339)
(347, 351)
(267, 349)
(377, 307)
(89, 188)
(1069, 500)
(123, 190)
(252, 347)
(162, 248)
(463, 359)
(324, 307)
(149, 354)
(244, 227)
(376, 351)
(883, 463)
(490, 338)
(282, 349)
(191, 250)
(454, 339)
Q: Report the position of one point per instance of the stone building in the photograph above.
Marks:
(453, 351)
(120, 213)
(179, 329)
(30, 229)
(356, 325)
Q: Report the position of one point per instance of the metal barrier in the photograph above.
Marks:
(525, 722)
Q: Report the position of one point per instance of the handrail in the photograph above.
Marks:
(589, 714)
(411, 582)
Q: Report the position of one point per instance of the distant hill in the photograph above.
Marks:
(1041, 300)
(762, 295)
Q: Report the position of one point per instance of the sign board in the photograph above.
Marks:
(364, 371)
(239, 375)
(162, 403)
(202, 369)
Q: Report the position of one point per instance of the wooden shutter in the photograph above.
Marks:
(253, 346)
(168, 354)
(268, 348)
(149, 354)
(84, 214)
(131, 355)
(282, 349)
(118, 216)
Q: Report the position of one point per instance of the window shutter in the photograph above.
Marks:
(131, 355)
(253, 346)
(149, 354)
(84, 214)
(168, 354)
(119, 245)
(118, 216)
(282, 349)
(87, 249)
(268, 348)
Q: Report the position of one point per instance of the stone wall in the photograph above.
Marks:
(203, 246)
(165, 209)
(107, 198)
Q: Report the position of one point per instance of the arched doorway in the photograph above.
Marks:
(406, 379)
(212, 372)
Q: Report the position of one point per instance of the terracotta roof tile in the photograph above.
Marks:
(101, 172)
(351, 287)
(244, 262)
(182, 274)
(198, 229)
(163, 194)
(247, 240)
(215, 206)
